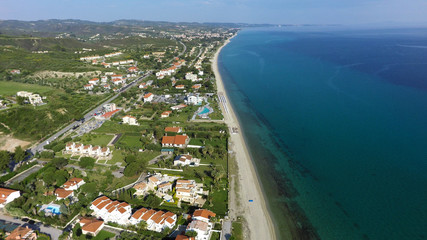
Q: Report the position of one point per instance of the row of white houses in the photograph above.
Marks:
(121, 213)
(80, 149)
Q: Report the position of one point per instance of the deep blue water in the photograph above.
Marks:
(336, 122)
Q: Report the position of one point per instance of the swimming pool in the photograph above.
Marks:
(53, 209)
(204, 111)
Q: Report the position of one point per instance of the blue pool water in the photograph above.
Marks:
(204, 111)
(54, 209)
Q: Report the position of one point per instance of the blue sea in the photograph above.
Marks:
(336, 123)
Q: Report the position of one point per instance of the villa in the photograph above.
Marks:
(129, 120)
(201, 224)
(186, 160)
(111, 211)
(165, 114)
(91, 226)
(89, 150)
(88, 87)
(180, 87)
(109, 107)
(178, 107)
(196, 86)
(94, 81)
(61, 193)
(189, 191)
(175, 141)
(194, 99)
(141, 188)
(7, 196)
(156, 220)
(133, 69)
(22, 233)
(148, 97)
(73, 184)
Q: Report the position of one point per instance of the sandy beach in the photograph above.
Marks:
(259, 223)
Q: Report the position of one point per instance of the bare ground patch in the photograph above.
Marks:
(9, 143)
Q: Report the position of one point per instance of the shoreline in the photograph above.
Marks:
(256, 214)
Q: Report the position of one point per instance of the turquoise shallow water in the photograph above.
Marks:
(336, 122)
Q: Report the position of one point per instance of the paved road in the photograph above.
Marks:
(54, 233)
(23, 175)
(226, 230)
(88, 116)
(158, 158)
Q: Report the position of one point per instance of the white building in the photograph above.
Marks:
(194, 99)
(156, 220)
(148, 97)
(111, 211)
(109, 107)
(94, 81)
(193, 77)
(73, 184)
(88, 87)
(189, 191)
(129, 120)
(7, 196)
(186, 160)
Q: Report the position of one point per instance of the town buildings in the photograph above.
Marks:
(86, 150)
(190, 191)
(91, 226)
(186, 160)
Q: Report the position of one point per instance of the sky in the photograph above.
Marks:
(236, 11)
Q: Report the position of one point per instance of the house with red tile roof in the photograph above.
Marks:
(111, 211)
(156, 220)
(129, 120)
(7, 196)
(22, 233)
(165, 114)
(61, 193)
(73, 183)
(148, 97)
(180, 86)
(175, 141)
(91, 226)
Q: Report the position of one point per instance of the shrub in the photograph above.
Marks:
(87, 162)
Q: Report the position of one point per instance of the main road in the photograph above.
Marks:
(39, 147)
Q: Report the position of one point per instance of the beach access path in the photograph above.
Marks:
(248, 201)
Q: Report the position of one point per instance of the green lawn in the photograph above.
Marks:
(118, 156)
(130, 140)
(102, 235)
(220, 200)
(115, 127)
(96, 139)
(11, 88)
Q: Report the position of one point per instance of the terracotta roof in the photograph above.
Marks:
(180, 139)
(179, 86)
(183, 237)
(70, 144)
(168, 139)
(203, 213)
(139, 213)
(19, 233)
(172, 129)
(94, 79)
(140, 186)
(62, 193)
(109, 114)
(90, 224)
(122, 210)
(147, 95)
(170, 220)
(153, 179)
(157, 217)
(148, 215)
(164, 185)
(99, 200)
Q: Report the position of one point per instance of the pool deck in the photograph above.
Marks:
(203, 115)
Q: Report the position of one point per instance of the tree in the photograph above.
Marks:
(191, 233)
(4, 160)
(20, 100)
(19, 154)
(87, 162)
